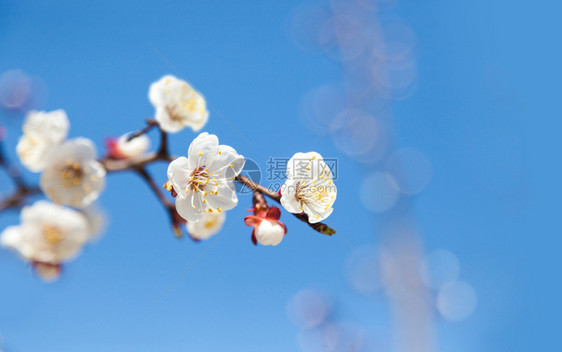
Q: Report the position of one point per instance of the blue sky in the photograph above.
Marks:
(469, 113)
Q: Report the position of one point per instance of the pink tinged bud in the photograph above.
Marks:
(112, 149)
(268, 230)
(47, 271)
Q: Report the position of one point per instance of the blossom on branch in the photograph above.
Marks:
(177, 105)
(203, 181)
(123, 148)
(42, 132)
(48, 235)
(209, 225)
(73, 176)
(309, 187)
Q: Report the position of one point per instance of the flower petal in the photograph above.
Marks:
(190, 208)
(225, 197)
(288, 199)
(307, 166)
(226, 161)
(11, 237)
(315, 216)
(179, 173)
(200, 149)
(273, 213)
(252, 220)
(269, 233)
(51, 125)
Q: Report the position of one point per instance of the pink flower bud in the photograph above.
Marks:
(268, 230)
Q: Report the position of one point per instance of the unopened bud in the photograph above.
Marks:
(47, 271)
(177, 230)
(168, 187)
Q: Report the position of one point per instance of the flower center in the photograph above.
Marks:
(209, 224)
(198, 180)
(71, 174)
(313, 193)
(53, 235)
(172, 113)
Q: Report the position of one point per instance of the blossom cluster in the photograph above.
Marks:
(70, 173)
(202, 183)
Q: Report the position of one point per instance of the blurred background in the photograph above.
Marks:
(425, 105)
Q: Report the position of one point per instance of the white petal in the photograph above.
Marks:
(11, 237)
(288, 199)
(190, 208)
(307, 166)
(225, 160)
(42, 132)
(225, 198)
(315, 216)
(94, 182)
(77, 150)
(201, 146)
(179, 173)
(52, 125)
(269, 233)
(34, 151)
(160, 91)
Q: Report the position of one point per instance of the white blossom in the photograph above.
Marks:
(177, 105)
(73, 176)
(48, 233)
(42, 132)
(204, 180)
(309, 187)
(209, 225)
(269, 233)
(133, 148)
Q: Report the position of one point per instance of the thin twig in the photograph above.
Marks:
(163, 149)
(22, 191)
(169, 207)
(116, 165)
(150, 124)
(18, 198)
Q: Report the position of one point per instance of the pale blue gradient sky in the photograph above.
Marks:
(468, 114)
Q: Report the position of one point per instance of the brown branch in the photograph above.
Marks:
(150, 124)
(168, 206)
(116, 165)
(320, 227)
(18, 198)
(163, 148)
(22, 191)
(138, 165)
